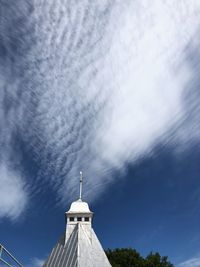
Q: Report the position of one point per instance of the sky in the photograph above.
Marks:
(109, 87)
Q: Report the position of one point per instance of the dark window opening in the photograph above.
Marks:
(79, 219)
(71, 219)
(87, 219)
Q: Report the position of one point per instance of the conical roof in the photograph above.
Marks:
(82, 249)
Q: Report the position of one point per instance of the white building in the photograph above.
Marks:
(79, 246)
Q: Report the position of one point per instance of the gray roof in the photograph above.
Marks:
(82, 249)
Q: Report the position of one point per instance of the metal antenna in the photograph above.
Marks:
(81, 185)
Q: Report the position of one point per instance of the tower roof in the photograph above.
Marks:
(82, 249)
(79, 246)
(79, 206)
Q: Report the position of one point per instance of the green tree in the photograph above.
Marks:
(125, 257)
(155, 260)
(128, 257)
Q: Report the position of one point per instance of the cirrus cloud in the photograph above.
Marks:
(82, 90)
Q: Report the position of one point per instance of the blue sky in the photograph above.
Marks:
(153, 207)
(110, 88)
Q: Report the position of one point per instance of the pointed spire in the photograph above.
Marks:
(81, 185)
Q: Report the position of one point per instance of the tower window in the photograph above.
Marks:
(87, 219)
(79, 219)
(71, 219)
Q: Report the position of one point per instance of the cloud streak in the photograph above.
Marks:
(84, 90)
(35, 262)
(13, 195)
(193, 262)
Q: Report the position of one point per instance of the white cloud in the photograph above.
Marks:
(13, 196)
(100, 84)
(35, 262)
(147, 74)
(193, 262)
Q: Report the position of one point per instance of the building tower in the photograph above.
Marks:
(79, 246)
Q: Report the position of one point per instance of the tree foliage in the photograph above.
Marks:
(128, 257)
